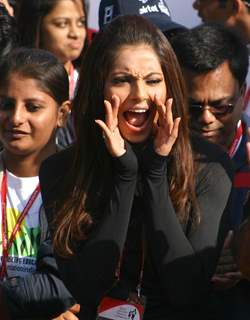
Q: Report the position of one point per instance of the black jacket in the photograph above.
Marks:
(179, 261)
(41, 295)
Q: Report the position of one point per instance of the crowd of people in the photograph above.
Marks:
(124, 162)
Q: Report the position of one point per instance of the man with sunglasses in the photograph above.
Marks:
(232, 13)
(214, 62)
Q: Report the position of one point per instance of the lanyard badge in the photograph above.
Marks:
(116, 309)
(130, 309)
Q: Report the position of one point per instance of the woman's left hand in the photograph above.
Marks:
(166, 127)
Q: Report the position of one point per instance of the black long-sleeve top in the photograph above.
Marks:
(178, 262)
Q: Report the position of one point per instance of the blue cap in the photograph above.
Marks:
(156, 11)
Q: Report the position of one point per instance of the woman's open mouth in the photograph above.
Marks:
(137, 118)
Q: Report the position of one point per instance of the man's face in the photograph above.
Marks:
(215, 91)
(212, 10)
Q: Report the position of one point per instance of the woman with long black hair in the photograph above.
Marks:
(136, 206)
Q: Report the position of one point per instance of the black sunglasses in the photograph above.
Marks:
(196, 109)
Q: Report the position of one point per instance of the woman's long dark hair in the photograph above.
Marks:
(90, 178)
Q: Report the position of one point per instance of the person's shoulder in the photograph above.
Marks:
(55, 166)
(59, 160)
(206, 151)
(210, 155)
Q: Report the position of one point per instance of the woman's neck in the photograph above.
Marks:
(25, 166)
(68, 65)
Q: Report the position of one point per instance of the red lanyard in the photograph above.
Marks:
(71, 81)
(118, 270)
(236, 142)
(241, 179)
(5, 242)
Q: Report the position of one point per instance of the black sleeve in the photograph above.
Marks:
(184, 263)
(41, 294)
(91, 272)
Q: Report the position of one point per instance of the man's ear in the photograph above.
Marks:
(63, 113)
(237, 6)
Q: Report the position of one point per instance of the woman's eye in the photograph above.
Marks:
(81, 23)
(120, 80)
(31, 107)
(61, 24)
(154, 81)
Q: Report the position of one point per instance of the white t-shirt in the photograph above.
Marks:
(22, 255)
(74, 83)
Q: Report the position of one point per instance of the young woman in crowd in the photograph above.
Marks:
(137, 208)
(58, 26)
(34, 102)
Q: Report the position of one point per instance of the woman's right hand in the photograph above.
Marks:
(111, 133)
(227, 274)
(70, 314)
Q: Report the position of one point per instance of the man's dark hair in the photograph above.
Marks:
(224, 2)
(206, 47)
(8, 32)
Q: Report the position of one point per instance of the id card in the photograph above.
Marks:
(116, 309)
